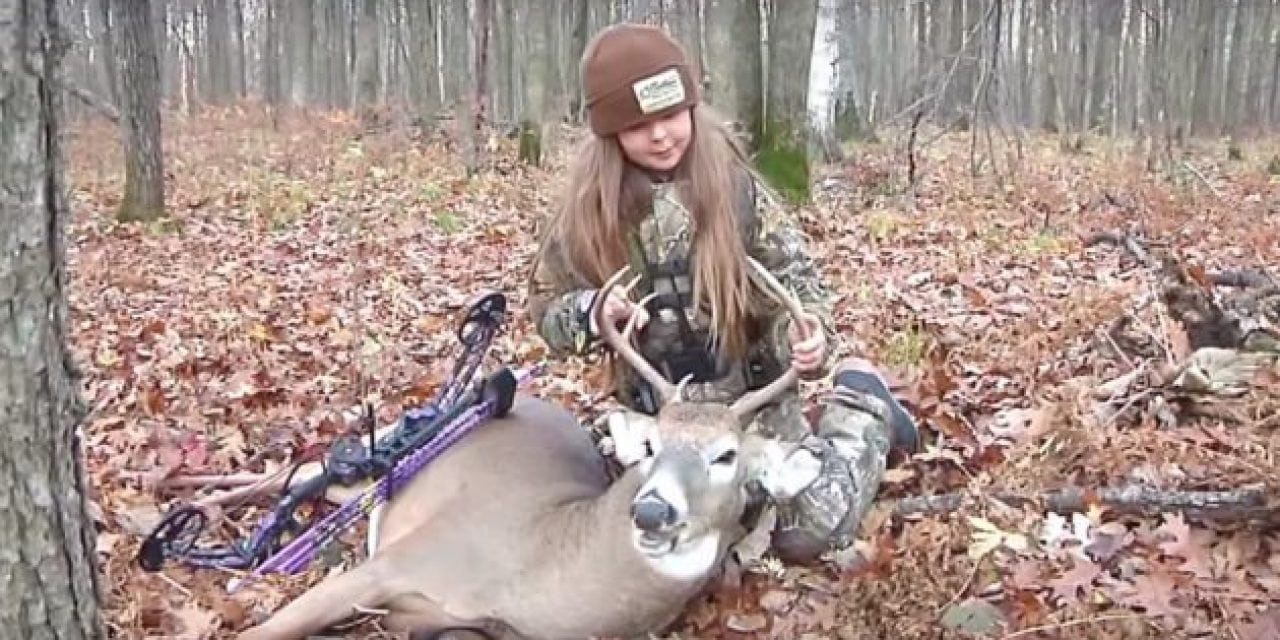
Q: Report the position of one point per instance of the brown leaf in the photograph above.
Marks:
(1265, 625)
(1079, 578)
(776, 600)
(1154, 593)
(1026, 575)
(1196, 558)
(746, 623)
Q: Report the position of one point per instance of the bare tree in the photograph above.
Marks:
(48, 575)
(735, 63)
(139, 76)
(536, 62)
(784, 148)
(368, 44)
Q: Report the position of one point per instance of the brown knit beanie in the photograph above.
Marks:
(632, 73)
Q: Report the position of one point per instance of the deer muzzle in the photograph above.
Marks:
(660, 509)
(651, 513)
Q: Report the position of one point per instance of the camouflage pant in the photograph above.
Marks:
(852, 441)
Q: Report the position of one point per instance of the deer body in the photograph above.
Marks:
(517, 529)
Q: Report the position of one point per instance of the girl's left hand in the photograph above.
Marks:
(808, 353)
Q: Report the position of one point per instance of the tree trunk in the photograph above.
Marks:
(48, 576)
(686, 26)
(455, 29)
(241, 55)
(1202, 108)
(581, 19)
(536, 63)
(421, 57)
(271, 59)
(368, 72)
(734, 63)
(108, 50)
(1233, 94)
(784, 152)
(140, 109)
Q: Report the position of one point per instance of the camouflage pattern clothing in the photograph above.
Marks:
(853, 436)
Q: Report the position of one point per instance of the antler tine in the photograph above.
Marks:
(622, 346)
(777, 291)
(752, 401)
(681, 386)
(634, 320)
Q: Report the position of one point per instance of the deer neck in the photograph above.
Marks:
(588, 548)
(601, 532)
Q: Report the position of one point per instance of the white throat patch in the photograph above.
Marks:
(693, 561)
(659, 91)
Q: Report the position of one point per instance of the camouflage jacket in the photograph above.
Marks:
(559, 297)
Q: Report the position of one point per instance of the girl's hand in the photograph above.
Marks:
(808, 353)
(619, 310)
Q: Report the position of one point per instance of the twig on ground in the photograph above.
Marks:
(1070, 623)
(963, 588)
(212, 480)
(1190, 167)
(1242, 503)
(1241, 279)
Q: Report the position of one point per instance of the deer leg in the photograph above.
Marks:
(423, 619)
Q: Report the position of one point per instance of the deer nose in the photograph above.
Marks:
(651, 513)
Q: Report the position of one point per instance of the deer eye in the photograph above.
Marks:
(728, 456)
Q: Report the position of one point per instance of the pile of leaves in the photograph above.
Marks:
(1097, 466)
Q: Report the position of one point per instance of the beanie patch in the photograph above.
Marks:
(659, 91)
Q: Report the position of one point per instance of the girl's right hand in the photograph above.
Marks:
(619, 310)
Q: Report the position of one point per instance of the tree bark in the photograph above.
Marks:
(581, 22)
(784, 151)
(368, 40)
(48, 576)
(686, 26)
(735, 64)
(535, 64)
(140, 105)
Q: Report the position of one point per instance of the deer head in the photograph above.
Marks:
(693, 486)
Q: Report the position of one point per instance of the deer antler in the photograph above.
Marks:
(751, 401)
(668, 392)
(622, 346)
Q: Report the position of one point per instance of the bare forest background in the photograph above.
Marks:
(1052, 221)
(798, 77)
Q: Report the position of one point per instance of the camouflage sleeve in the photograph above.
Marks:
(781, 246)
(558, 303)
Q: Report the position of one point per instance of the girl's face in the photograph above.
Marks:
(659, 144)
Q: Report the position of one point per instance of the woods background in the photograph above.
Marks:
(800, 75)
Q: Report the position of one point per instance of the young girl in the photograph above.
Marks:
(661, 186)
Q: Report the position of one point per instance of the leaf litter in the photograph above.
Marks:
(319, 266)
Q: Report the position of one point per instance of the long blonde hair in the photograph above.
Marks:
(605, 196)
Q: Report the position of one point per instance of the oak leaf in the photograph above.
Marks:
(1079, 578)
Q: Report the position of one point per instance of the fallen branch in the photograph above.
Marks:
(1126, 241)
(1239, 504)
(104, 108)
(1196, 172)
(1241, 279)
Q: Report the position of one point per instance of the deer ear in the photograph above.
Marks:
(782, 471)
(633, 436)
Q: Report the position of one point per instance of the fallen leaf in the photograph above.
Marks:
(1079, 578)
(746, 623)
(972, 616)
(987, 537)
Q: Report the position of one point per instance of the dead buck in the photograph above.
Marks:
(517, 530)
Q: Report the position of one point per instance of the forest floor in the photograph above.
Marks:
(311, 266)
